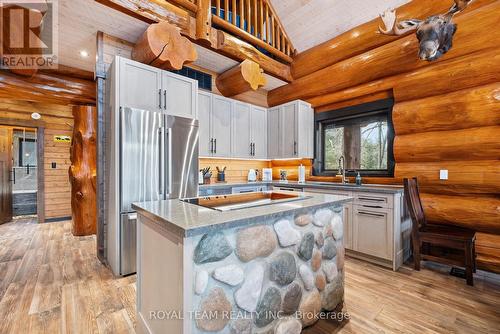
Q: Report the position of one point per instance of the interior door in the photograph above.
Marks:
(5, 173)
(259, 132)
(241, 130)
(221, 126)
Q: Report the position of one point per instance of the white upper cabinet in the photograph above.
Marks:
(291, 131)
(139, 85)
(204, 113)
(242, 145)
(179, 95)
(145, 87)
(221, 126)
(258, 127)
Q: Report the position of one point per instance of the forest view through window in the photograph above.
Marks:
(364, 140)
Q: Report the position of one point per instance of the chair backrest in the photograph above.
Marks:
(414, 204)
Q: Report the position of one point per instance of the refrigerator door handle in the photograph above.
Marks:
(168, 135)
(162, 162)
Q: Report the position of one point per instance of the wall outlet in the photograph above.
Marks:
(443, 174)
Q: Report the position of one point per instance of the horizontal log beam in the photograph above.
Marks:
(47, 88)
(240, 50)
(464, 177)
(474, 34)
(387, 94)
(240, 79)
(465, 72)
(477, 213)
(364, 37)
(469, 108)
(192, 7)
(472, 144)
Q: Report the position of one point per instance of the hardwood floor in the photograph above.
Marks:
(52, 282)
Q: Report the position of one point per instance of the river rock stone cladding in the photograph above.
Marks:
(273, 277)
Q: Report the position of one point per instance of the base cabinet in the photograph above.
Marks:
(376, 227)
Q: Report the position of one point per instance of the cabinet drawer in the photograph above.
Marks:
(372, 231)
(328, 191)
(375, 201)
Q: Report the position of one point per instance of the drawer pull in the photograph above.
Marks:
(371, 199)
(373, 206)
(370, 214)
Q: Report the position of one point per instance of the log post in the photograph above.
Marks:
(82, 172)
(204, 22)
(162, 46)
(241, 78)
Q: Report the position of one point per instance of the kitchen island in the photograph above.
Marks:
(267, 261)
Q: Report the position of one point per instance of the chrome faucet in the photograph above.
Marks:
(342, 169)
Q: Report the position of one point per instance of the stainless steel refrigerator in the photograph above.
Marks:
(158, 159)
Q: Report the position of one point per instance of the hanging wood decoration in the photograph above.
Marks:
(435, 33)
(243, 77)
(82, 173)
(162, 46)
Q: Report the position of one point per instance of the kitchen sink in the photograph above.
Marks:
(245, 200)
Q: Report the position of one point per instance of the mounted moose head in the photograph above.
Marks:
(435, 33)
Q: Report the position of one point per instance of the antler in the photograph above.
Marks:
(396, 28)
(459, 6)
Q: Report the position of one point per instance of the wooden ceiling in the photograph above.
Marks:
(311, 22)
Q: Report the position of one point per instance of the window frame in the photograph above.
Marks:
(323, 119)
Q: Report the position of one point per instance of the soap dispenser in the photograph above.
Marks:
(302, 174)
(358, 179)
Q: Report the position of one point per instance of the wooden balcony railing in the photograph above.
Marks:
(254, 21)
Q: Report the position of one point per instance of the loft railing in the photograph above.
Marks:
(254, 21)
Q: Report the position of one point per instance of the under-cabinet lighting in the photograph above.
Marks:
(84, 54)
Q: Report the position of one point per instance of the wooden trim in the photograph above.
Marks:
(40, 195)
(186, 4)
(249, 38)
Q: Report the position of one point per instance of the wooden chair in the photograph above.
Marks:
(424, 236)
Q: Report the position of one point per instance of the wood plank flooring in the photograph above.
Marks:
(52, 282)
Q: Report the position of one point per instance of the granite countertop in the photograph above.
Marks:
(188, 219)
(375, 188)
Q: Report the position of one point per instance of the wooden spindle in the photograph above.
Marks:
(226, 10)
(234, 12)
(278, 37)
(255, 17)
(249, 15)
(217, 8)
(273, 29)
(261, 20)
(267, 24)
(242, 13)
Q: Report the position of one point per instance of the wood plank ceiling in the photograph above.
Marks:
(311, 22)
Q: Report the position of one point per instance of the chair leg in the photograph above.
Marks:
(469, 259)
(416, 253)
(474, 263)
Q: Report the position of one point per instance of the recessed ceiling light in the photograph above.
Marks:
(36, 115)
(84, 54)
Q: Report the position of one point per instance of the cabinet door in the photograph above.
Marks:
(305, 130)
(273, 133)
(204, 111)
(179, 95)
(140, 85)
(221, 126)
(288, 131)
(241, 130)
(259, 132)
(348, 226)
(372, 232)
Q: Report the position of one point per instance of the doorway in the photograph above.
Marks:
(19, 172)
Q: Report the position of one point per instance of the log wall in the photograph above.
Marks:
(446, 116)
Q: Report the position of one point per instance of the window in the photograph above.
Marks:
(204, 79)
(27, 152)
(362, 134)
